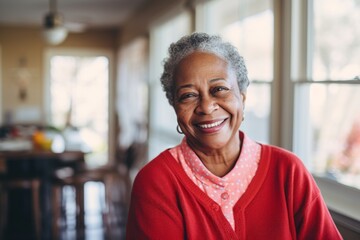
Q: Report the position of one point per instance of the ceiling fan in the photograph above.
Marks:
(55, 30)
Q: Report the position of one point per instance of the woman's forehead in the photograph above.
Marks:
(202, 54)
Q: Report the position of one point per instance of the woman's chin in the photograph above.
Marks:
(213, 141)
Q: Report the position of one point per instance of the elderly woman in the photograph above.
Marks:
(218, 183)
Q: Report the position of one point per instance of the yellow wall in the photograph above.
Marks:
(19, 43)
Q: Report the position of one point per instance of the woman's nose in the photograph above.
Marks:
(206, 105)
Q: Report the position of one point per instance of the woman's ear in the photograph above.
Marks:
(243, 94)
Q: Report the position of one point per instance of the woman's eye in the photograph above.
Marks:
(219, 89)
(187, 96)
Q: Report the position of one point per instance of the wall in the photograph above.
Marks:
(24, 46)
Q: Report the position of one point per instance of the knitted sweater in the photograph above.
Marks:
(281, 202)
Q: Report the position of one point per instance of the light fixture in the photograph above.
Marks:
(54, 32)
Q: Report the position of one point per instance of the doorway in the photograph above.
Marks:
(77, 101)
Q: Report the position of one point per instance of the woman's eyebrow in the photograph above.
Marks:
(190, 85)
(184, 86)
(217, 79)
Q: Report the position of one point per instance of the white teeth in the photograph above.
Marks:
(210, 125)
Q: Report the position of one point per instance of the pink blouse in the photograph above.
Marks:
(227, 190)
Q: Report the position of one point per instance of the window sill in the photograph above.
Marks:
(348, 227)
(340, 198)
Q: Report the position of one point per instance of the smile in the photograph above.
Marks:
(211, 125)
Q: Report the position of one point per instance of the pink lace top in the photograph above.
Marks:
(227, 190)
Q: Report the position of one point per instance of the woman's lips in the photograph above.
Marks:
(210, 127)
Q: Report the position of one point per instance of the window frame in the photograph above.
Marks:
(301, 67)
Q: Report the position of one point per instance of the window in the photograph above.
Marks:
(330, 95)
(162, 116)
(327, 90)
(335, 58)
(78, 99)
(249, 26)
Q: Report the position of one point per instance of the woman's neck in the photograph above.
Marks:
(220, 161)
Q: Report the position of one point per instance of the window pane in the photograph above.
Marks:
(249, 26)
(336, 40)
(253, 37)
(334, 131)
(79, 103)
(257, 112)
(163, 132)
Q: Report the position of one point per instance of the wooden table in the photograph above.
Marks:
(41, 165)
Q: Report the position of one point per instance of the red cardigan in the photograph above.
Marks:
(281, 202)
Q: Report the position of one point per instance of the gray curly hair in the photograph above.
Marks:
(204, 43)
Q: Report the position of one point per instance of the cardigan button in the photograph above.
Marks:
(225, 196)
(215, 207)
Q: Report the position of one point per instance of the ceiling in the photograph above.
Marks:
(89, 13)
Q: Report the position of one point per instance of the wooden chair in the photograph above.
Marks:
(114, 201)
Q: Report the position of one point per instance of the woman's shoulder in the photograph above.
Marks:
(281, 157)
(275, 151)
(156, 172)
(285, 163)
(157, 165)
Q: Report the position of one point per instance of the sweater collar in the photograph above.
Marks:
(199, 170)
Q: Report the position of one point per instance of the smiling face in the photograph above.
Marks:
(208, 102)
